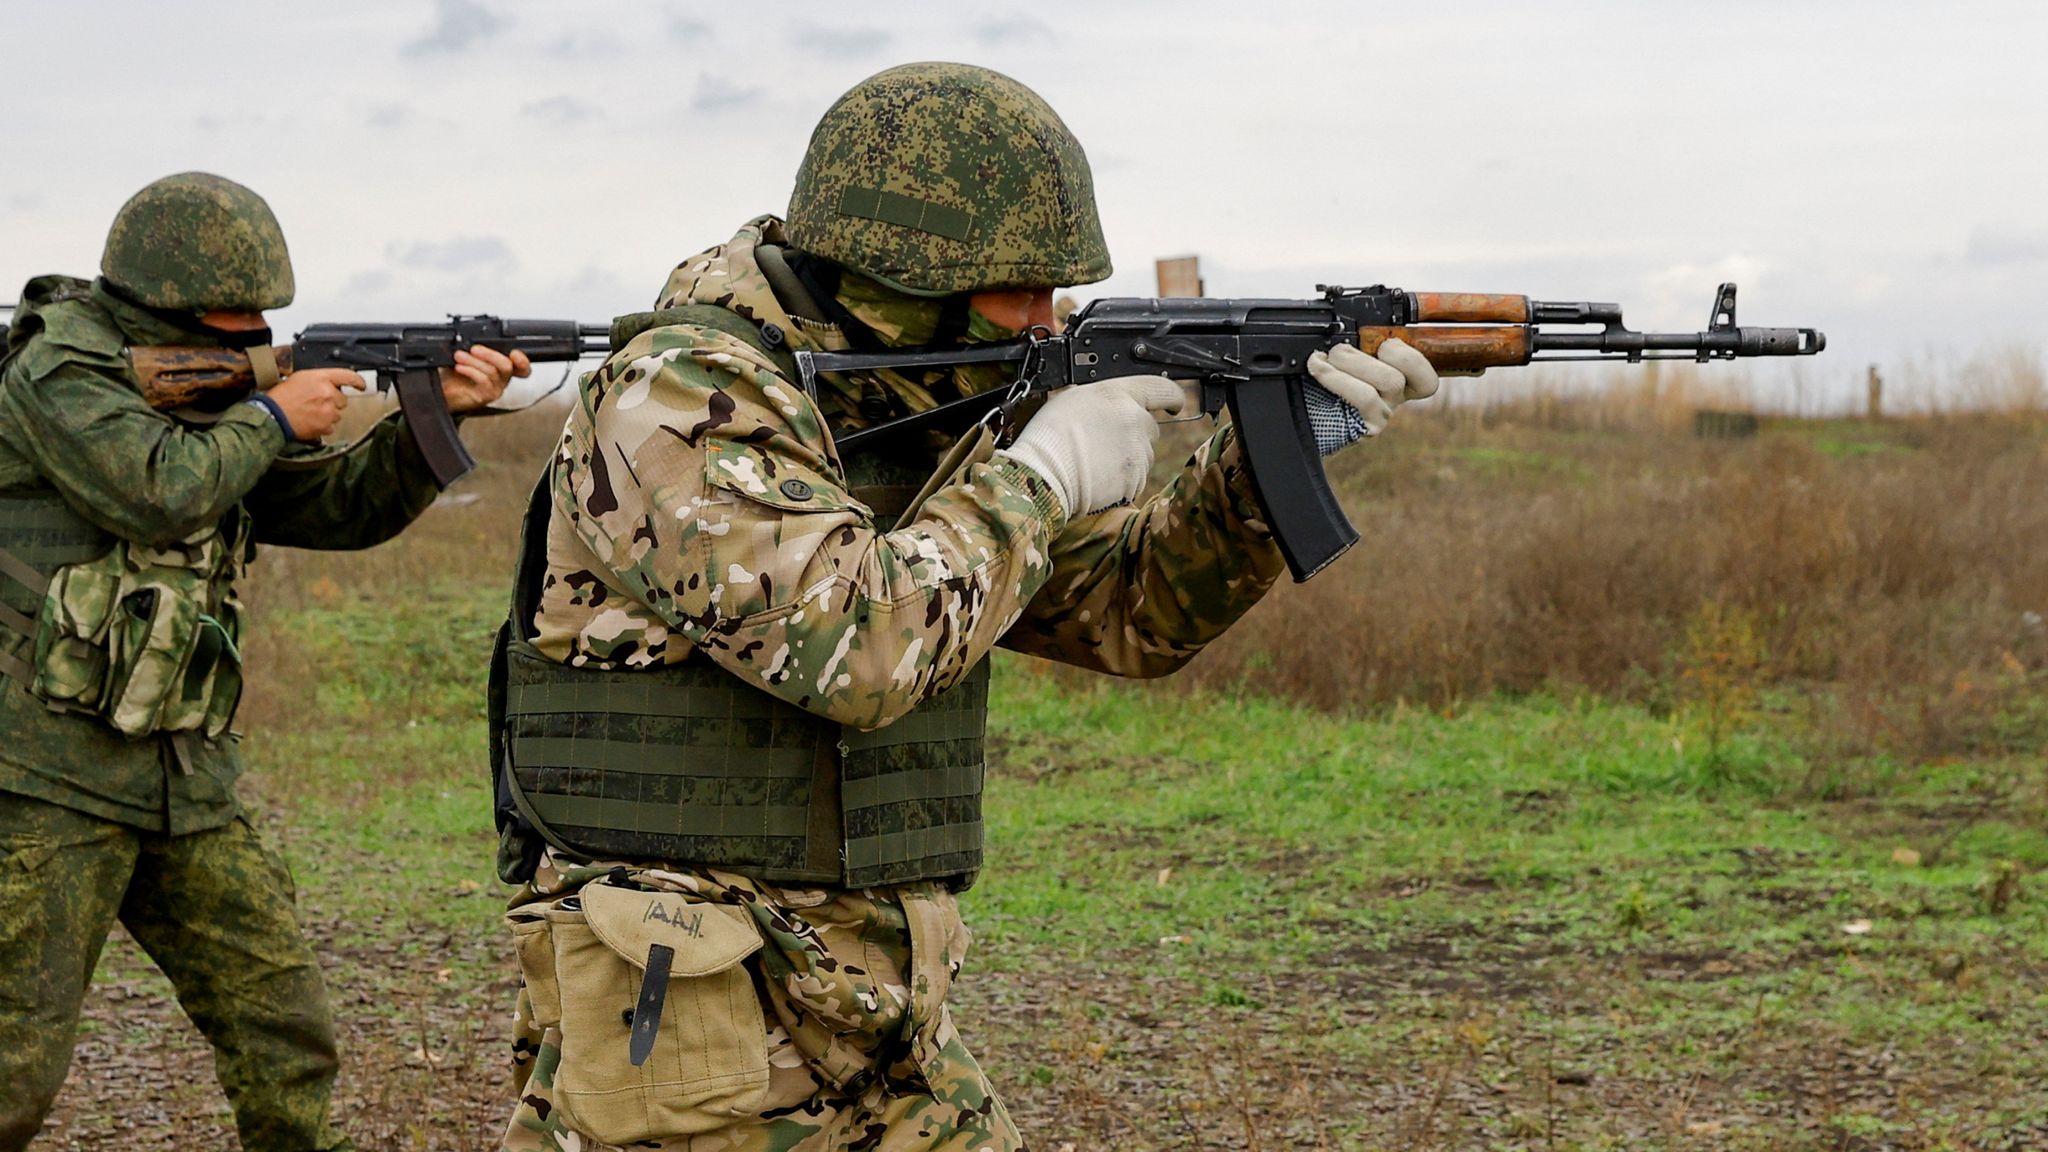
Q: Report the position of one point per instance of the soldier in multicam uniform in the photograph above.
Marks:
(738, 706)
(122, 531)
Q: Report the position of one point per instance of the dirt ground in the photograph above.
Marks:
(1163, 1069)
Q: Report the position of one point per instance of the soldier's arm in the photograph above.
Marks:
(1138, 591)
(708, 494)
(132, 470)
(356, 499)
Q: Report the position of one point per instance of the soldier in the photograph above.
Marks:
(738, 707)
(122, 532)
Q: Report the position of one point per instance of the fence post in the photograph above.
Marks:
(1179, 275)
(1876, 409)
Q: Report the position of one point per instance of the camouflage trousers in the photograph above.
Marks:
(214, 910)
(794, 1020)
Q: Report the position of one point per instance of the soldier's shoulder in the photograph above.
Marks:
(72, 331)
(692, 357)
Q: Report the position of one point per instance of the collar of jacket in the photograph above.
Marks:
(139, 326)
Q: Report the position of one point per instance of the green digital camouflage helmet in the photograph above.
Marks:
(945, 178)
(197, 241)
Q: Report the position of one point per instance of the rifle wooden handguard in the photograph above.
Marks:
(1469, 348)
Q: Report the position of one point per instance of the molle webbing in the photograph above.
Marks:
(911, 792)
(688, 763)
(39, 534)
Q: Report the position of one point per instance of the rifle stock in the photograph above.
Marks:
(205, 378)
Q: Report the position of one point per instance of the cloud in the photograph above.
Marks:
(820, 41)
(458, 24)
(562, 110)
(458, 254)
(684, 28)
(387, 115)
(1998, 244)
(584, 45)
(1014, 32)
(718, 95)
(370, 283)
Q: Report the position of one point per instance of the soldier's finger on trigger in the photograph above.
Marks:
(1161, 396)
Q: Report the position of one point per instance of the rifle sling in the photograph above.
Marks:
(263, 362)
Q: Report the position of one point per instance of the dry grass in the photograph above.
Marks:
(1895, 571)
(1564, 544)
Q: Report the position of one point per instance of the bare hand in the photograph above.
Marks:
(312, 400)
(480, 376)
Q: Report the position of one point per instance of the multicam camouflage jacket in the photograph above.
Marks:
(73, 422)
(700, 505)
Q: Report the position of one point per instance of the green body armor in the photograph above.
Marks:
(144, 638)
(691, 765)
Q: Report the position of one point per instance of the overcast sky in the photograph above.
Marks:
(1876, 169)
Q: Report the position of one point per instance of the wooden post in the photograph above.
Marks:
(1062, 308)
(1180, 276)
(1876, 394)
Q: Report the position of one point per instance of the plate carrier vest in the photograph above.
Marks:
(688, 764)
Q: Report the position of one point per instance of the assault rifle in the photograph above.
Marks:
(1251, 357)
(407, 358)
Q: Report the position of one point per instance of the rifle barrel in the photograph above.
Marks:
(1717, 344)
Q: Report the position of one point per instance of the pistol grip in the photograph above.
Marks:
(432, 425)
(1287, 473)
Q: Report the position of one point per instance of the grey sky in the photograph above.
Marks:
(1877, 169)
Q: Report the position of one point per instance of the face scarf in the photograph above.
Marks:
(900, 320)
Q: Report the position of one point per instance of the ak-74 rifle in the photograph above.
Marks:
(407, 358)
(1251, 357)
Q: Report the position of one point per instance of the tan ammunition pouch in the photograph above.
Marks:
(609, 960)
(144, 638)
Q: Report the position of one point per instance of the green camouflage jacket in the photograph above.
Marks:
(700, 504)
(72, 419)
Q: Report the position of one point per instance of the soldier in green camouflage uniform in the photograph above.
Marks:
(142, 824)
(725, 601)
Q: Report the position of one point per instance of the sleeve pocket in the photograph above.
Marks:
(777, 481)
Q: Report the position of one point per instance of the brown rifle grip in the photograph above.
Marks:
(1456, 349)
(183, 377)
(1470, 308)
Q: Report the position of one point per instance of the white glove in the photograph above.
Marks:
(1093, 442)
(1358, 392)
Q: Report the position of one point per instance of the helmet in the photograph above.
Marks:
(197, 241)
(945, 178)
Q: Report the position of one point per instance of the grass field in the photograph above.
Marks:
(1681, 909)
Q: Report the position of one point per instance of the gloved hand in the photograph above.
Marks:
(1093, 442)
(1355, 394)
